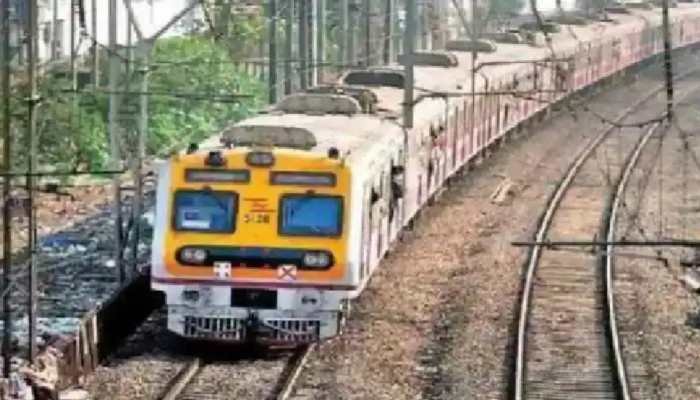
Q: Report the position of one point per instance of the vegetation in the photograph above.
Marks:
(73, 136)
(204, 68)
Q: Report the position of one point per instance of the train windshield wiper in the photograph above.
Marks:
(221, 203)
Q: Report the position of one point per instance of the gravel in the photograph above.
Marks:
(437, 319)
(659, 318)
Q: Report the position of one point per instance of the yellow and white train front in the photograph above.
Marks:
(251, 244)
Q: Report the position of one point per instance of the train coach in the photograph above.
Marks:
(269, 229)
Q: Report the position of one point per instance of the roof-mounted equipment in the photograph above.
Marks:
(547, 26)
(375, 77)
(617, 9)
(639, 5)
(569, 19)
(511, 36)
(366, 97)
(430, 59)
(319, 104)
(272, 136)
(479, 45)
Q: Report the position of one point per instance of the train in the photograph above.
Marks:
(268, 230)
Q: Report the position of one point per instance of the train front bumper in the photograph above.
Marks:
(269, 327)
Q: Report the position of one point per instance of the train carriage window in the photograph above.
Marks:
(205, 211)
(311, 215)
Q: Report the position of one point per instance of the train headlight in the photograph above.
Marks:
(194, 255)
(260, 159)
(317, 259)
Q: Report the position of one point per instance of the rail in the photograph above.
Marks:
(608, 258)
(519, 389)
(290, 377)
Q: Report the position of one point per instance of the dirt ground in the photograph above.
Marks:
(436, 322)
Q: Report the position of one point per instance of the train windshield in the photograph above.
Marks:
(205, 211)
(311, 215)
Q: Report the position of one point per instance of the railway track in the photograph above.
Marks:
(568, 343)
(181, 386)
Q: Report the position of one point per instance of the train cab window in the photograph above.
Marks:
(205, 211)
(311, 215)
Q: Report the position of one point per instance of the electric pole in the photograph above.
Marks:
(288, 46)
(303, 44)
(409, 53)
(389, 10)
(344, 34)
(367, 11)
(32, 50)
(350, 32)
(95, 48)
(145, 48)
(114, 139)
(272, 51)
(312, 19)
(320, 39)
(54, 31)
(668, 61)
(6, 187)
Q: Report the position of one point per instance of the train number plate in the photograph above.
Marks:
(256, 218)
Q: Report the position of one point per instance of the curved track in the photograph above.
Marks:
(608, 266)
(567, 343)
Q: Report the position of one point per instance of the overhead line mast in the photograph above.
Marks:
(6, 187)
(32, 101)
(668, 61)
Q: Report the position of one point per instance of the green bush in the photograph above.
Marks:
(72, 128)
(193, 66)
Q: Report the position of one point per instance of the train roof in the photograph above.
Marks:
(361, 135)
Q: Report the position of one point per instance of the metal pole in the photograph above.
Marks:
(320, 40)
(32, 48)
(114, 134)
(303, 44)
(668, 61)
(6, 187)
(95, 48)
(409, 50)
(288, 46)
(313, 34)
(388, 31)
(54, 30)
(474, 38)
(352, 39)
(352, 13)
(272, 50)
(419, 26)
(343, 58)
(73, 70)
(128, 76)
(146, 50)
(367, 10)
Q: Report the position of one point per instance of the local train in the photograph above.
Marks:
(270, 228)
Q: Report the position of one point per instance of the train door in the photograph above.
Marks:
(464, 131)
(506, 110)
(377, 216)
(396, 188)
(455, 137)
(366, 244)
